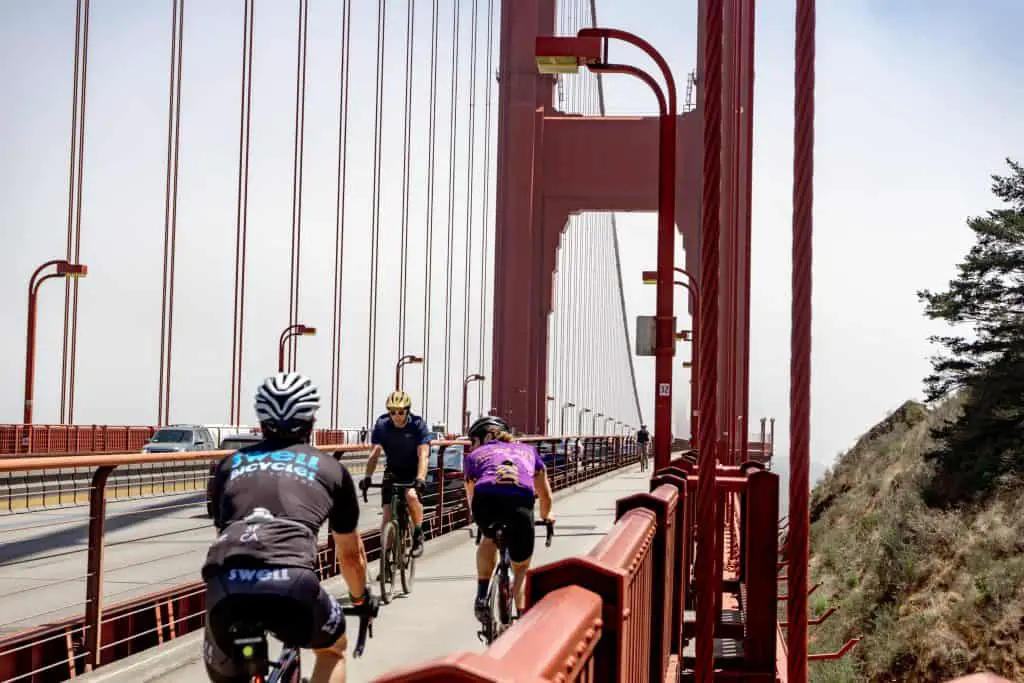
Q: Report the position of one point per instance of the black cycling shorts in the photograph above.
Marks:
(402, 476)
(289, 602)
(516, 511)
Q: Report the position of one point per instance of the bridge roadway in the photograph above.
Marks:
(152, 543)
(437, 618)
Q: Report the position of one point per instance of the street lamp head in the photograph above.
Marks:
(650, 277)
(305, 331)
(415, 359)
(477, 377)
(66, 269)
(565, 55)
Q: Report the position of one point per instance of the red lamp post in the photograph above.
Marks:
(407, 359)
(288, 333)
(590, 48)
(651, 277)
(64, 269)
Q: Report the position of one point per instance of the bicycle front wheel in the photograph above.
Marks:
(408, 565)
(388, 555)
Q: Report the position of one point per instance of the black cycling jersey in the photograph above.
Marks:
(269, 501)
(643, 436)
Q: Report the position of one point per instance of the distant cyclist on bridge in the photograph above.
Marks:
(404, 439)
(269, 501)
(643, 440)
(503, 478)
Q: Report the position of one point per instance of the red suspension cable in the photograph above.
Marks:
(242, 213)
(410, 35)
(297, 168)
(339, 212)
(371, 351)
(170, 213)
(707, 545)
(485, 217)
(75, 173)
(800, 363)
(428, 280)
(451, 212)
(470, 177)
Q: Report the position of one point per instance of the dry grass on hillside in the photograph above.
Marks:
(933, 594)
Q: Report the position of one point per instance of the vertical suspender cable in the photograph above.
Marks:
(618, 262)
(242, 213)
(800, 363)
(470, 199)
(748, 180)
(485, 217)
(297, 168)
(170, 213)
(339, 215)
(403, 282)
(451, 213)
(75, 173)
(428, 276)
(371, 351)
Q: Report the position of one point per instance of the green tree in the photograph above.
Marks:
(985, 445)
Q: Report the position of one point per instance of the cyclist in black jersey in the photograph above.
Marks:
(269, 501)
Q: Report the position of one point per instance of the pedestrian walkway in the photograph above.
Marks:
(437, 619)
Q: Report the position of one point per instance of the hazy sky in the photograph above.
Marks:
(917, 105)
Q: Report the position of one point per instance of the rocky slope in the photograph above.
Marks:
(932, 593)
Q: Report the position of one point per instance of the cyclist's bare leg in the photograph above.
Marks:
(486, 559)
(415, 507)
(330, 662)
(519, 570)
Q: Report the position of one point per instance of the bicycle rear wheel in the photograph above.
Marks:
(408, 564)
(388, 553)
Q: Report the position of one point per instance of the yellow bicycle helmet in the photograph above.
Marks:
(399, 400)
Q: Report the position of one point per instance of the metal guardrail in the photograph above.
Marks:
(620, 612)
(103, 633)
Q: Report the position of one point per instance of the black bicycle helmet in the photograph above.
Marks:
(485, 424)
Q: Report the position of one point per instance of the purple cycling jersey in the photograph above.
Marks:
(500, 467)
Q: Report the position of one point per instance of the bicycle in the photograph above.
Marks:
(392, 553)
(501, 583)
(250, 641)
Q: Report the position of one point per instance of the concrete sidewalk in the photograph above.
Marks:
(437, 619)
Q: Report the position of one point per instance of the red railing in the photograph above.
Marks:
(43, 439)
(64, 646)
(623, 612)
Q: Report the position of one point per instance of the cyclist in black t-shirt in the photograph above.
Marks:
(643, 440)
(269, 501)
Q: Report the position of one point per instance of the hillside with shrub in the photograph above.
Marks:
(917, 532)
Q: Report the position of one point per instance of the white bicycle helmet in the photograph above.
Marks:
(286, 403)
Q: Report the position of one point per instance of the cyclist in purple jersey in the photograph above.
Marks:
(503, 479)
(505, 468)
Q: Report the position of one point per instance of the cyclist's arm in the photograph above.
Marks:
(423, 452)
(371, 462)
(375, 439)
(352, 560)
(348, 545)
(216, 489)
(542, 486)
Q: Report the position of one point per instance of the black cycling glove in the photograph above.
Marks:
(421, 487)
(364, 484)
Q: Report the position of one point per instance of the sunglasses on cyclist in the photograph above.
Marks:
(401, 411)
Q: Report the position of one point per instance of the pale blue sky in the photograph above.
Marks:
(918, 102)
